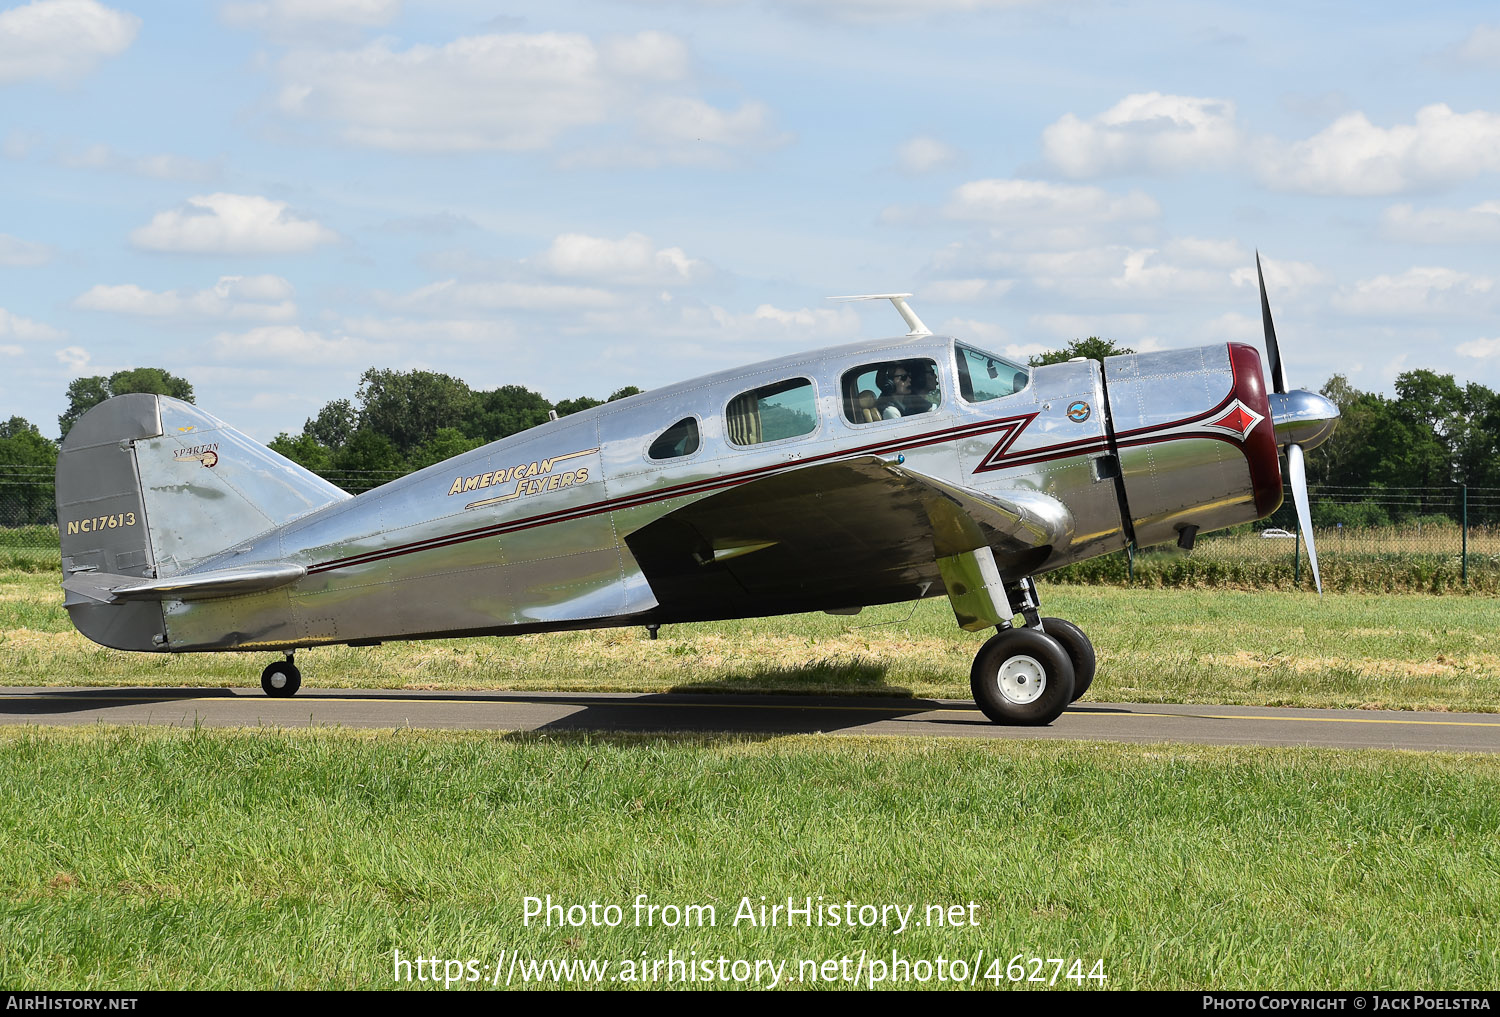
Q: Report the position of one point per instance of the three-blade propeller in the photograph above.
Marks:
(1296, 470)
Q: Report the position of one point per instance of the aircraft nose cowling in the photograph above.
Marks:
(1194, 434)
(1302, 418)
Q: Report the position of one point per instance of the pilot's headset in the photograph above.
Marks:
(885, 378)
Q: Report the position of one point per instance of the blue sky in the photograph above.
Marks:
(269, 197)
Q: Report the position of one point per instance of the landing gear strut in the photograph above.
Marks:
(281, 678)
(1034, 667)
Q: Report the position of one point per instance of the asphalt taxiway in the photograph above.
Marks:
(746, 714)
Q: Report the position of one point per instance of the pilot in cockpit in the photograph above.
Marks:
(906, 388)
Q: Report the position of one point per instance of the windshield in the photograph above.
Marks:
(985, 376)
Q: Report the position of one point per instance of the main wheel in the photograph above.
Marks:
(1022, 676)
(1080, 652)
(281, 679)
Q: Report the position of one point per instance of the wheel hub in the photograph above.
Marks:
(1022, 679)
(278, 679)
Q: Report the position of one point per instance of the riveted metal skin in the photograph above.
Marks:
(573, 525)
(1195, 439)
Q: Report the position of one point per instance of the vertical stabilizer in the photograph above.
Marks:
(149, 487)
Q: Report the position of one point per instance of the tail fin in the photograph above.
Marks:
(148, 486)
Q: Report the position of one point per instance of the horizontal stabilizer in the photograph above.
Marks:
(108, 588)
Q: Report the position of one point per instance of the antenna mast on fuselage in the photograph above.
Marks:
(899, 299)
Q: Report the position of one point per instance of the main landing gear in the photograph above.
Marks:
(281, 678)
(1033, 667)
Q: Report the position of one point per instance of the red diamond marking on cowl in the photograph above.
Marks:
(1236, 420)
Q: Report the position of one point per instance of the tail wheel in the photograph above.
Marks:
(281, 679)
(1080, 652)
(1022, 676)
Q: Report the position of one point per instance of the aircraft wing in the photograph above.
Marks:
(857, 531)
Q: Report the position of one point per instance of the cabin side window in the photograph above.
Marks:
(783, 410)
(984, 376)
(681, 439)
(891, 390)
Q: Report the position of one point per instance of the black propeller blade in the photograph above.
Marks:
(1296, 469)
(1273, 349)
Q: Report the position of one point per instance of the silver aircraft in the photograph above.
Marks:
(870, 473)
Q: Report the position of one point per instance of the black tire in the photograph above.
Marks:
(1080, 652)
(281, 679)
(1035, 659)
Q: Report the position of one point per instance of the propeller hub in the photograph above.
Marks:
(1302, 418)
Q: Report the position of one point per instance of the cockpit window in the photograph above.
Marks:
(783, 410)
(890, 390)
(984, 376)
(681, 439)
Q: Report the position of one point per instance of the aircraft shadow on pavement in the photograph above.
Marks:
(76, 700)
(708, 712)
(762, 715)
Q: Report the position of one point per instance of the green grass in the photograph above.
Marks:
(1154, 645)
(161, 859)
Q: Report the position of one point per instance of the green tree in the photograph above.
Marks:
(28, 462)
(367, 460)
(1093, 348)
(504, 411)
(334, 425)
(568, 406)
(86, 393)
(409, 407)
(447, 443)
(304, 450)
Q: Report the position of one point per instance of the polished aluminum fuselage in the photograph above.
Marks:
(531, 533)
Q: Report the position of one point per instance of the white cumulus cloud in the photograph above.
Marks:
(924, 154)
(292, 344)
(74, 358)
(1482, 46)
(1153, 132)
(1283, 278)
(963, 291)
(18, 253)
(883, 10)
(1420, 290)
(631, 260)
(1068, 327)
(517, 92)
(256, 297)
(1145, 132)
(231, 224)
(1008, 202)
(1480, 348)
(13, 326)
(1353, 156)
(1476, 225)
(442, 297)
(156, 167)
(291, 19)
(61, 39)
